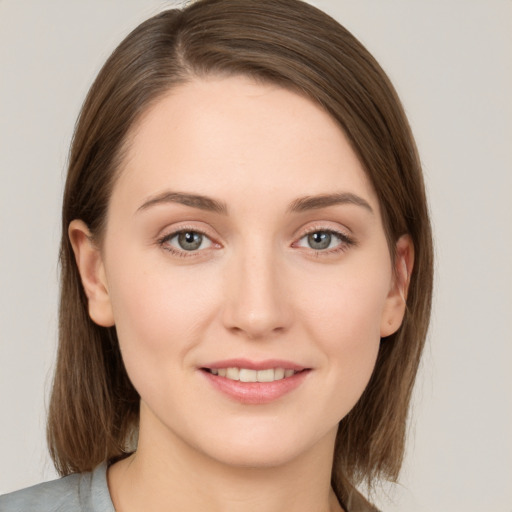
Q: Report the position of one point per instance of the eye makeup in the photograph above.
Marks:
(324, 241)
(190, 241)
(187, 242)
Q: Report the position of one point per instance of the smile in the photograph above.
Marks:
(250, 375)
(254, 383)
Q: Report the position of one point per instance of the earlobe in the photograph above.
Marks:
(92, 272)
(396, 301)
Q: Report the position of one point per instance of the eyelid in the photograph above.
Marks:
(169, 233)
(205, 240)
(328, 227)
(346, 239)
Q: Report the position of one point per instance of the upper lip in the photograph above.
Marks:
(255, 365)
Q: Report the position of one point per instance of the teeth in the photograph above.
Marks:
(233, 373)
(279, 373)
(266, 375)
(247, 375)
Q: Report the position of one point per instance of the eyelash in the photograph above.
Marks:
(163, 242)
(345, 242)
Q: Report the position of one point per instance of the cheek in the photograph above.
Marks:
(159, 313)
(344, 320)
(159, 319)
(347, 306)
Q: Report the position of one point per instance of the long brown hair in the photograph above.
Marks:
(93, 411)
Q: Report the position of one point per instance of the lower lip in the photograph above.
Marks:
(255, 393)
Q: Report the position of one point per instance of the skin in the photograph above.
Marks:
(255, 289)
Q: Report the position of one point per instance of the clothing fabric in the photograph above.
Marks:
(88, 492)
(81, 492)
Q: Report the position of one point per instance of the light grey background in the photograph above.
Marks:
(451, 62)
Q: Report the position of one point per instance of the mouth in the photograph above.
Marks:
(251, 375)
(254, 383)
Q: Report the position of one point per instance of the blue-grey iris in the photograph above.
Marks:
(190, 240)
(319, 240)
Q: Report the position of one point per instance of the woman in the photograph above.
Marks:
(246, 271)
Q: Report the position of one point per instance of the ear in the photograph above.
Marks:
(92, 272)
(395, 306)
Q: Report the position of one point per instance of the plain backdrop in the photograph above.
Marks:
(451, 62)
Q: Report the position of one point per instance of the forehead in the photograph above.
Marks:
(226, 137)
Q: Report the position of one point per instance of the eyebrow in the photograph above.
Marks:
(301, 204)
(324, 200)
(192, 200)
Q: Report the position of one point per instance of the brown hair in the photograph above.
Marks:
(94, 408)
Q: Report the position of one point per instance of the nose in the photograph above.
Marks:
(257, 304)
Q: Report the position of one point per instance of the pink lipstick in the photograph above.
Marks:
(255, 382)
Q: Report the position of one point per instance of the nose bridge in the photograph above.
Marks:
(256, 302)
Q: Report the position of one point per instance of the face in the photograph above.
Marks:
(247, 272)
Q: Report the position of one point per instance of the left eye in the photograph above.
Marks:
(189, 241)
(320, 240)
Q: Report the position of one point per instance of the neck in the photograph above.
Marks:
(166, 474)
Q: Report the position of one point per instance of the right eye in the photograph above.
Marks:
(186, 241)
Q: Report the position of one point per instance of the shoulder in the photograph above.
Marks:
(79, 492)
(46, 497)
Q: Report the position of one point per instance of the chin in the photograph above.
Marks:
(257, 457)
(265, 450)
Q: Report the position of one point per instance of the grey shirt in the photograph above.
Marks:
(88, 492)
(81, 492)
